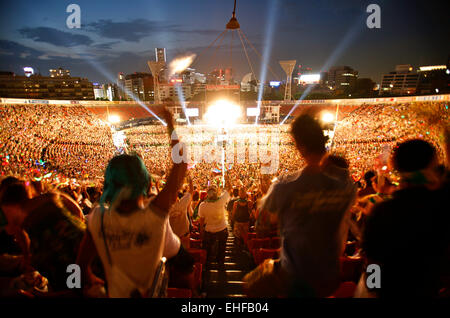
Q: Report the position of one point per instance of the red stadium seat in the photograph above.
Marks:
(251, 235)
(265, 253)
(179, 293)
(345, 290)
(198, 269)
(275, 242)
(351, 268)
(199, 255)
(274, 233)
(258, 243)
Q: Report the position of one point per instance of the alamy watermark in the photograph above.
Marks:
(233, 147)
(73, 21)
(374, 19)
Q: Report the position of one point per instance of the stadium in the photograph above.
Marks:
(227, 194)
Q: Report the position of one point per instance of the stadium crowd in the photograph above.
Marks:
(377, 195)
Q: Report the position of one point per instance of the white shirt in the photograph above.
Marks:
(179, 221)
(136, 243)
(214, 213)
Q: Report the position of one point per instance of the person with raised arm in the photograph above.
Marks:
(213, 222)
(178, 215)
(129, 233)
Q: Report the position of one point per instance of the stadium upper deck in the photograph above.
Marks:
(129, 110)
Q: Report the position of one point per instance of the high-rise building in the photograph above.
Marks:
(434, 79)
(46, 87)
(112, 91)
(121, 86)
(342, 79)
(220, 77)
(59, 72)
(403, 81)
(190, 76)
(99, 91)
(140, 86)
(160, 54)
(170, 90)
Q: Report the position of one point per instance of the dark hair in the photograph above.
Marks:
(14, 193)
(308, 134)
(235, 192)
(368, 177)
(337, 160)
(7, 181)
(413, 155)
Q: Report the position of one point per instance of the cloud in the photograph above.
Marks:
(55, 37)
(16, 49)
(137, 29)
(201, 32)
(131, 31)
(106, 45)
(44, 57)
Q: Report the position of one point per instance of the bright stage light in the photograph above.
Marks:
(114, 119)
(253, 111)
(327, 117)
(223, 113)
(178, 65)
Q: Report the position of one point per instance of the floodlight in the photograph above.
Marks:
(223, 113)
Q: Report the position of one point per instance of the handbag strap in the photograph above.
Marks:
(108, 255)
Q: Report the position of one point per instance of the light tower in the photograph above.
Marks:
(288, 67)
(156, 67)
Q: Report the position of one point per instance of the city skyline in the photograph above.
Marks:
(116, 37)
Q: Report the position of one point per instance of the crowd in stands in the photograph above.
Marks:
(141, 225)
(41, 139)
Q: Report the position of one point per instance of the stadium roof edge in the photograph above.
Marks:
(90, 103)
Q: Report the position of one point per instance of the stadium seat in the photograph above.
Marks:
(258, 243)
(351, 268)
(199, 255)
(274, 233)
(198, 270)
(275, 242)
(345, 290)
(251, 235)
(261, 254)
(179, 293)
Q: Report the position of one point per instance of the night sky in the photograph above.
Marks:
(120, 36)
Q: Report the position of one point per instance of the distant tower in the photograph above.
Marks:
(121, 86)
(160, 56)
(288, 67)
(156, 68)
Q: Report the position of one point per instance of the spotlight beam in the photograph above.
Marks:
(259, 55)
(343, 45)
(266, 53)
(182, 101)
(112, 80)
